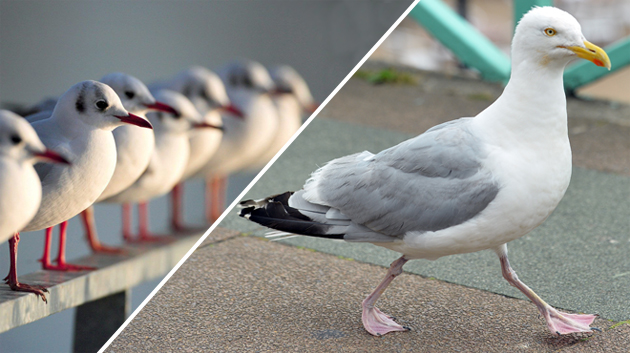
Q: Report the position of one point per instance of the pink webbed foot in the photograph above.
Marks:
(378, 324)
(560, 323)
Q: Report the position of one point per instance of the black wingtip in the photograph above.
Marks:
(274, 212)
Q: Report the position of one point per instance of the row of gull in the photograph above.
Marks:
(118, 141)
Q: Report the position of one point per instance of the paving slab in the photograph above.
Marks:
(245, 294)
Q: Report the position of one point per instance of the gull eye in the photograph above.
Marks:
(129, 94)
(15, 139)
(550, 32)
(101, 105)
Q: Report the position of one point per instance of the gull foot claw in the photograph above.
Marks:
(37, 290)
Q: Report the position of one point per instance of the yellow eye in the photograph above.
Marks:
(550, 32)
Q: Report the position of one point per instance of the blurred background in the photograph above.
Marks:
(603, 22)
(47, 46)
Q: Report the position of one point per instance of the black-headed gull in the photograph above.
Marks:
(245, 139)
(168, 160)
(463, 186)
(206, 91)
(134, 146)
(21, 190)
(80, 128)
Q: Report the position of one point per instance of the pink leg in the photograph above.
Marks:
(62, 265)
(126, 221)
(558, 323)
(12, 278)
(90, 232)
(374, 321)
(143, 224)
(177, 223)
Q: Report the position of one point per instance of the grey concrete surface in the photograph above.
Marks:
(245, 294)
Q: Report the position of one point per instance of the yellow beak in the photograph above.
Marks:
(592, 53)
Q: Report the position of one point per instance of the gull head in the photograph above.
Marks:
(202, 87)
(552, 37)
(18, 140)
(247, 75)
(97, 105)
(187, 117)
(134, 95)
(289, 81)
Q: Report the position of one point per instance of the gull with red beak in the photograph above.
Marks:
(463, 186)
(80, 128)
(134, 146)
(207, 93)
(168, 162)
(21, 190)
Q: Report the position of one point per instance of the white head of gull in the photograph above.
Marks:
(463, 186)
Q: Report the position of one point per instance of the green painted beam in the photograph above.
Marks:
(465, 41)
(522, 6)
(584, 72)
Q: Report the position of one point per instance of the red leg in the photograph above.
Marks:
(177, 207)
(143, 224)
(62, 265)
(92, 236)
(12, 278)
(218, 185)
(208, 198)
(45, 260)
(126, 221)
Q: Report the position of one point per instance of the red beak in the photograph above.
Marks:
(159, 106)
(206, 125)
(135, 120)
(51, 156)
(232, 110)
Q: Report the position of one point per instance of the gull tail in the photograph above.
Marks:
(290, 213)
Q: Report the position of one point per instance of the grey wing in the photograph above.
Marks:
(428, 183)
(39, 116)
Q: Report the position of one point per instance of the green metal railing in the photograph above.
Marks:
(475, 50)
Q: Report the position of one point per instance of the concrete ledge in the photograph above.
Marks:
(115, 274)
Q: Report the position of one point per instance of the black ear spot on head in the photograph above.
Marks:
(16, 139)
(130, 94)
(187, 91)
(247, 81)
(80, 104)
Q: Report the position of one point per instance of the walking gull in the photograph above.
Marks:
(463, 186)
